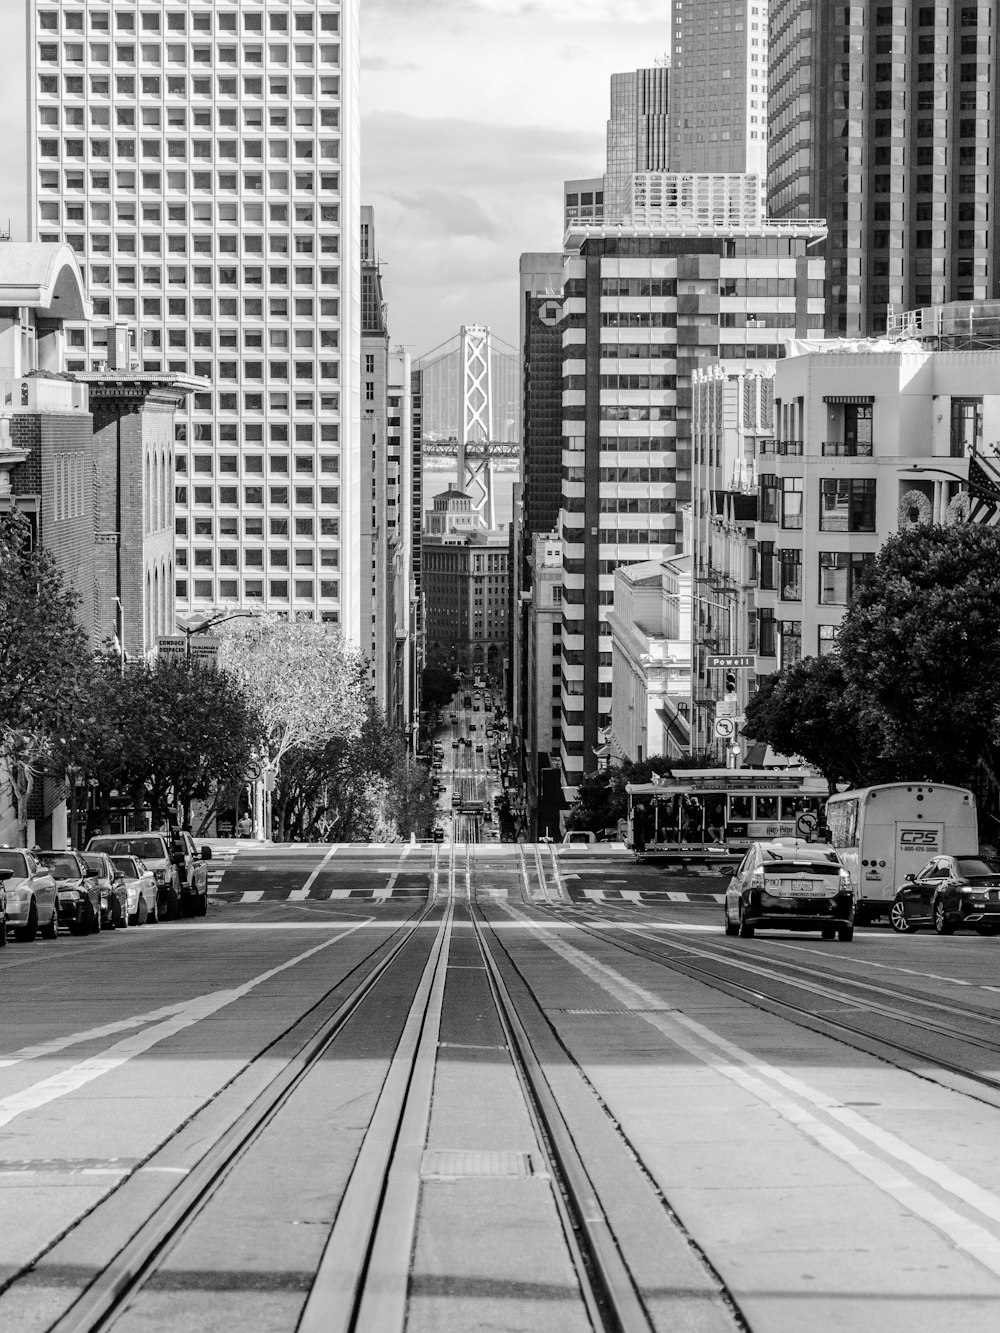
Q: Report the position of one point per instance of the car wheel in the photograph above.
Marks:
(51, 929)
(828, 932)
(141, 911)
(153, 914)
(201, 905)
(845, 933)
(25, 934)
(96, 925)
(121, 916)
(3, 933)
(941, 923)
(745, 930)
(732, 927)
(898, 919)
(172, 907)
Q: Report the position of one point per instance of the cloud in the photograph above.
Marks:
(380, 65)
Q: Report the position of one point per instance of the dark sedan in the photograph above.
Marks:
(950, 893)
(77, 891)
(786, 884)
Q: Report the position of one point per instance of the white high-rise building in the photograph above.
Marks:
(202, 160)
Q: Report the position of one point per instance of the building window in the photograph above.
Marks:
(768, 498)
(791, 502)
(789, 642)
(847, 505)
(838, 575)
(828, 636)
(966, 426)
(790, 566)
(766, 632)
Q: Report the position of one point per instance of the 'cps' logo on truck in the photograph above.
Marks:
(917, 838)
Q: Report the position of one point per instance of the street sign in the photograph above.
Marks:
(204, 645)
(170, 645)
(731, 660)
(725, 728)
(726, 707)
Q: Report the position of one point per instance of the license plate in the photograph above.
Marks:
(795, 887)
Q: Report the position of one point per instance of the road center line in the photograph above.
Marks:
(315, 874)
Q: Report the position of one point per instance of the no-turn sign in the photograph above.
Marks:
(725, 728)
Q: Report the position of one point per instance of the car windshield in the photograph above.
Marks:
(150, 849)
(975, 867)
(13, 861)
(62, 867)
(95, 864)
(126, 865)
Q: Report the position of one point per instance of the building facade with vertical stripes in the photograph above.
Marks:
(202, 160)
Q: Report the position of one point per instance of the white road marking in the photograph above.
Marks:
(776, 1088)
(166, 1023)
(322, 866)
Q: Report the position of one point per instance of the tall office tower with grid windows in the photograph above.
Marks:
(201, 157)
(884, 121)
(637, 136)
(718, 87)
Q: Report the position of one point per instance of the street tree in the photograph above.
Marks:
(804, 711)
(302, 680)
(42, 647)
(438, 684)
(920, 644)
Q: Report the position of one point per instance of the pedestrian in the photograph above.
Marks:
(244, 826)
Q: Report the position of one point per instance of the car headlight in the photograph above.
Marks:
(160, 876)
(15, 897)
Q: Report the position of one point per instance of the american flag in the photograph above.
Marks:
(984, 490)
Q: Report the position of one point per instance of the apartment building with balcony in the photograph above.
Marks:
(869, 438)
(203, 164)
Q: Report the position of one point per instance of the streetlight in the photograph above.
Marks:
(211, 623)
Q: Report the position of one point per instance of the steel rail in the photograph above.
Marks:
(610, 1295)
(837, 1029)
(141, 1256)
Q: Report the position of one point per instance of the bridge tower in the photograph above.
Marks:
(475, 470)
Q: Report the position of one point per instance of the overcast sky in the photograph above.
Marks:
(474, 112)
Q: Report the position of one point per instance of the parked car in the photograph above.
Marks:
(78, 893)
(31, 896)
(178, 867)
(4, 877)
(788, 884)
(578, 837)
(438, 834)
(114, 898)
(140, 886)
(950, 893)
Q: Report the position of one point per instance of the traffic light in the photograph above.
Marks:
(731, 678)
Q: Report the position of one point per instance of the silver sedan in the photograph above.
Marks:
(31, 896)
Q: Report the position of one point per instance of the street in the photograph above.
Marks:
(345, 1099)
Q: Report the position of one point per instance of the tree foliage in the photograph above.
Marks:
(437, 686)
(914, 692)
(42, 651)
(302, 681)
(355, 789)
(602, 800)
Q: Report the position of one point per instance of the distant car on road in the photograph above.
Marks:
(31, 896)
(579, 837)
(950, 893)
(788, 884)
